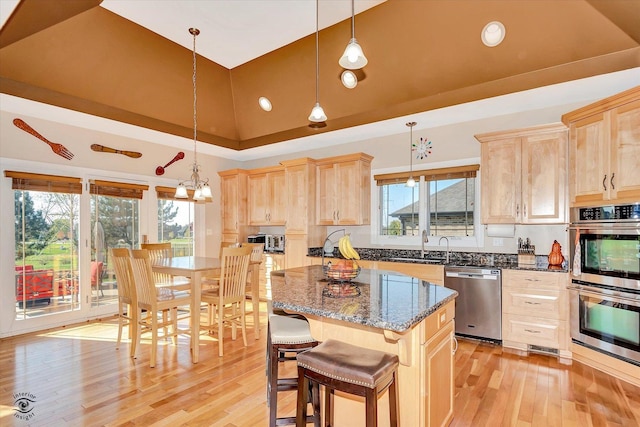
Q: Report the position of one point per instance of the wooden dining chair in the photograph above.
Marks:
(213, 281)
(154, 301)
(226, 304)
(160, 251)
(127, 299)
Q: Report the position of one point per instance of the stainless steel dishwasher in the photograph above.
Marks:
(479, 303)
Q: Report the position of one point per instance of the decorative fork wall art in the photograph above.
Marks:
(59, 149)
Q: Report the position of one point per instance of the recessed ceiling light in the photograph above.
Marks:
(265, 104)
(493, 33)
(349, 79)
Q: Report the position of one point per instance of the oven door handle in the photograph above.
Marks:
(599, 293)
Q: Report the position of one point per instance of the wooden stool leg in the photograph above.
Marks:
(303, 398)
(272, 393)
(371, 404)
(393, 402)
(328, 406)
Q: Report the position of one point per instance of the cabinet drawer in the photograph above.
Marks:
(436, 321)
(532, 330)
(533, 279)
(539, 303)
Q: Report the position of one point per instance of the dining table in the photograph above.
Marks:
(194, 267)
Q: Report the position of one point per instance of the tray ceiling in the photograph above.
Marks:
(115, 60)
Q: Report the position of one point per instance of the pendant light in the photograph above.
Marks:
(317, 113)
(411, 182)
(201, 188)
(353, 58)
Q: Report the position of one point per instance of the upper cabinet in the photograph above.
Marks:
(300, 176)
(267, 196)
(604, 150)
(233, 200)
(524, 175)
(344, 190)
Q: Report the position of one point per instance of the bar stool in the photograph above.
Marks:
(350, 369)
(286, 334)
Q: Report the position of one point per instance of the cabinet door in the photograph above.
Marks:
(326, 208)
(501, 181)
(588, 179)
(277, 198)
(297, 200)
(437, 355)
(229, 202)
(296, 250)
(258, 198)
(624, 181)
(348, 193)
(544, 179)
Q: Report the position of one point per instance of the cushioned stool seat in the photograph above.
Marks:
(287, 334)
(350, 369)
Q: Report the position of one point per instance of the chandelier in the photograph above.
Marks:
(200, 187)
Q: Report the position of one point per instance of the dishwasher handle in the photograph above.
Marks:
(472, 276)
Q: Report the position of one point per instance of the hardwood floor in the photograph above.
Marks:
(76, 377)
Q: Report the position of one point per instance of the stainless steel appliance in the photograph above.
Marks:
(274, 243)
(605, 279)
(257, 238)
(479, 303)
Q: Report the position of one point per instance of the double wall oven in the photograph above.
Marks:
(605, 279)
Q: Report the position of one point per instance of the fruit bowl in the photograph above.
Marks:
(341, 271)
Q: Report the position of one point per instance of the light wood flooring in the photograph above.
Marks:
(75, 376)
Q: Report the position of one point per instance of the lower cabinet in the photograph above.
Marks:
(535, 310)
(438, 358)
(270, 262)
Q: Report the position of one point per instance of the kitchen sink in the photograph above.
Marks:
(420, 260)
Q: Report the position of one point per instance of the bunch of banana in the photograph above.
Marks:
(347, 251)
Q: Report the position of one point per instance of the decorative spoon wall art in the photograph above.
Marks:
(103, 149)
(160, 169)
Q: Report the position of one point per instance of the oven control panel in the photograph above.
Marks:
(614, 212)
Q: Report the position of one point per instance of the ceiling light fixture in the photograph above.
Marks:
(493, 33)
(264, 103)
(201, 188)
(411, 182)
(317, 113)
(353, 58)
(349, 79)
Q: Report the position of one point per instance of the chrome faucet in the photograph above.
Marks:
(425, 239)
(447, 239)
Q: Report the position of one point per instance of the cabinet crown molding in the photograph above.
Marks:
(522, 132)
(602, 105)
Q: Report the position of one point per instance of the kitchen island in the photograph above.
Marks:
(387, 311)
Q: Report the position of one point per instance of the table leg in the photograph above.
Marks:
(195, 316)
(255, 298)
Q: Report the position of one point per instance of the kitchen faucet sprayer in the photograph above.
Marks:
(425, 239)
(447, 239)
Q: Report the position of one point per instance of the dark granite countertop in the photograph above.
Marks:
(457, 259)
(377, 298)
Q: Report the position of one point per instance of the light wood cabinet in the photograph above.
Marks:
(267, 194)
(233, 202)
(344, 190)
(604, 150)
(437, 356)
(524, 175)
(270, 262)
(535, 310)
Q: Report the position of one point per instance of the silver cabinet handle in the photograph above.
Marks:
(532, 303)
(517, 209)
(455, 341)
(525, 209)
(613, 187)
(604, 182)
(532, 331)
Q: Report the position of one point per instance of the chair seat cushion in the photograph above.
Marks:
(349, 363)
(289, 330)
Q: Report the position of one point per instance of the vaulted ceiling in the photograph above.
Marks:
(423, 55)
